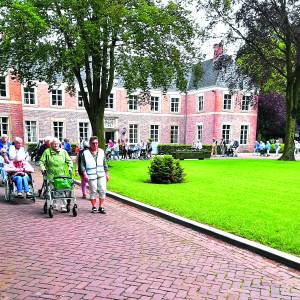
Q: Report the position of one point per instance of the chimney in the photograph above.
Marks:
(218, 50)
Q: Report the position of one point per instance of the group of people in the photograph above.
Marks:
(263, 148)
(227, 149)
(123, 150)
(54, 161)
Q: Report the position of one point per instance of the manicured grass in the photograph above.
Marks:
(255, 199)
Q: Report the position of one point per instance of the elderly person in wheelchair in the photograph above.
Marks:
(19, 172)
(56, 163)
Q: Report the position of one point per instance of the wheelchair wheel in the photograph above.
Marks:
(50, 211)
(74, 210)
(45, 208)
(8, 191)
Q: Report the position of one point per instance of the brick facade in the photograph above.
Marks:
(42, 115)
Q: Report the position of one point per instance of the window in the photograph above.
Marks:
(58, 130)
(3, 125)
(226, 133)
(30, 132)
(29, 96)
(244, 134)
(83, 131)
(174, 105)
(2, 86)
(132, 103)
(133, 133)
(154, 103)
(57, 98)
(246, 103)
(199, 132)
(154, 133)
(200, 103)
(174, 134)
(227, 102)
(110, 102)
(80, 102)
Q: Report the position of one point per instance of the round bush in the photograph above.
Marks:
(165, 169)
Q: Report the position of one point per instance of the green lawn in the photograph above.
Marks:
(255, 199)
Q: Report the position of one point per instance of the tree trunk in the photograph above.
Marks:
(96, 117)
(289, 145)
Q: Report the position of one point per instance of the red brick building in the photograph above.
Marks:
(207, 112)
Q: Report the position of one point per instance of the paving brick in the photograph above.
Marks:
(127, 254)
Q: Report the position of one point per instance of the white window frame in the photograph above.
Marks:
(26, 132)
(155, 137)
(62, 98)
(245, 101)
(178, 104)
(135, 135)
(88, 129)
(248, 133)
(198, 103)
(113, 101)
(64, 128)
(230, 132)
(172, 142)
(231, 102)
(158, 105)
(6, 81)
(35, 96)
(199, 137)
(1, 125)
(135, 99)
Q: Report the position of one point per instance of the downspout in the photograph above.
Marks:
(185, 119)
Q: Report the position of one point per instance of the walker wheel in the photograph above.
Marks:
(68, 207)
(50, 211)
(45, 207)
(74, 211)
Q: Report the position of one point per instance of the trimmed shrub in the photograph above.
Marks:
(201, 154)
(31, 147)
(165, 169)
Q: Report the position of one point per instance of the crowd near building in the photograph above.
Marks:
(203, 114)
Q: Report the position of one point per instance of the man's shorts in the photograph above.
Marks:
(97, 186)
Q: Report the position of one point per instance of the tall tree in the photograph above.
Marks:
(271, 116)
(147, 43)
(269, 32)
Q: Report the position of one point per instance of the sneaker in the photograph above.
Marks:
(19, 195)
(101, 210)
(94, 209)
(84, 196)
(28, 195)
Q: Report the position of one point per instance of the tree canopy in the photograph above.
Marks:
(269, 53)
(88, 43)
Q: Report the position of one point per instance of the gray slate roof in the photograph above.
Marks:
(210, 76)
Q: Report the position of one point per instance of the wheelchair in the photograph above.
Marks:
(11, 190)
(59, 192)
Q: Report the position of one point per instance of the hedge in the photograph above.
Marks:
(201, 154)
(171, 148)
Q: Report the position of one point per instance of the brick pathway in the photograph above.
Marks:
(126, 254)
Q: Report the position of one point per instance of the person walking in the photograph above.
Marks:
(79, 170)
(95, 170)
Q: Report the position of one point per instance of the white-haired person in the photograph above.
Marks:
(56, 162)
(17, 150)
(94, 168)
(19, 169)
